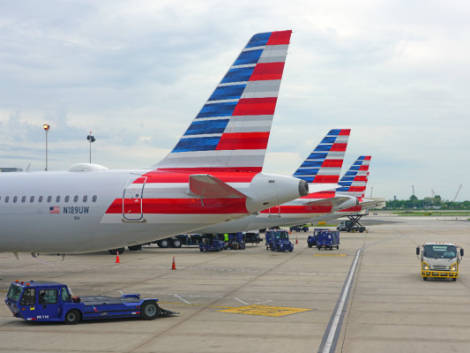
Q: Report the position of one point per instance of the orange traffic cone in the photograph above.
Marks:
(296, 240)
(118, 261)
(173, 265)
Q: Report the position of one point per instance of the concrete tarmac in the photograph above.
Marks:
(255, 300)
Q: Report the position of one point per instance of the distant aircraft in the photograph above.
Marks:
(354, 183)
(213, 174)
(321, 170)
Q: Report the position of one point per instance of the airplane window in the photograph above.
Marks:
(49, 198)
(31, 199)
(23, 199)
(75, 198)
(67, 198)
(85, 198)
(40, 199)
(15, 198)
(57, 199)
(7, 198)
(94, 198)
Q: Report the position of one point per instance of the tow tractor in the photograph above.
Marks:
(299, 228)
(439, 260)
(53, 302)
(235, 241)
(278, 240)
(211, 243)
(324, 238)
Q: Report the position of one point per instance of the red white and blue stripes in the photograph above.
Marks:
(231, 131)
(324, 164)
(354, 181)
(227, 139)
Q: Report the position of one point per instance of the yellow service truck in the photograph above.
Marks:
(439, 260)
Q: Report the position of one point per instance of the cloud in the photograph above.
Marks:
(137, 73)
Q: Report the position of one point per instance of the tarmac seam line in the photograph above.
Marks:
(330, 337)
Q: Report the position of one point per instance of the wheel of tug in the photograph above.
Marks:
(72, 317)
(150, 311)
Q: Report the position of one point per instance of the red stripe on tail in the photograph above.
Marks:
(243, 141)
(267, 71)
(279, 37)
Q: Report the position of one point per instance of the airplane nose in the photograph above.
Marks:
(303, 188)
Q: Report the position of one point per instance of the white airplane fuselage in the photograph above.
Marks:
(75, 212)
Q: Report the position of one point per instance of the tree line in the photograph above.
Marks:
(427, 203)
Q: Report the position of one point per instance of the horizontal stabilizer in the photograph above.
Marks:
(336, 203)
(373, 203)
(207, 186)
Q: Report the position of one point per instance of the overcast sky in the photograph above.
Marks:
(137, 72)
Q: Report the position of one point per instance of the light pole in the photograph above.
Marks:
(46, 128)
(90, 139)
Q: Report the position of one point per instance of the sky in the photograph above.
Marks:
(136, 73)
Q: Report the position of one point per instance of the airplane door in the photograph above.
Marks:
(132, 201)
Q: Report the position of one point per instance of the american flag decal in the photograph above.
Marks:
(54, 210)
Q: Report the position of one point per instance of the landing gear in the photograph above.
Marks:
(115, 251)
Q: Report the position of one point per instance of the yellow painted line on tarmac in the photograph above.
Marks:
(264, 310)
(330, 255)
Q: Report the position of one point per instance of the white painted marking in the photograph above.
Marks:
(339, 310)
(181, 298)
(264, 302)
(240, 301)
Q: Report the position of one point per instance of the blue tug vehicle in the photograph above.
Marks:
(53, 302)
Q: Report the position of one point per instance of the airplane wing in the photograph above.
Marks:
(373, 203)
(337, 202)
(208, 186)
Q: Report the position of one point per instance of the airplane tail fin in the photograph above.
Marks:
(354, 181)
(231, 131)
(324, 164)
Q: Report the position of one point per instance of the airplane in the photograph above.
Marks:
(354, 183)
(213, 174)
(321, 170)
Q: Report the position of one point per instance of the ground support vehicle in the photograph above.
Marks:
(351, 225)
(180, 240)
(278, 240)
(326, 239)
(252, 238)
(53, 302)
(439, 260)
(236, 241)
(211, 243)
(312, 239)
(301, 228)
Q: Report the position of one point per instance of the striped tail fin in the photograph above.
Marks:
(231, 131)
(354, 181)
(324, 164)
